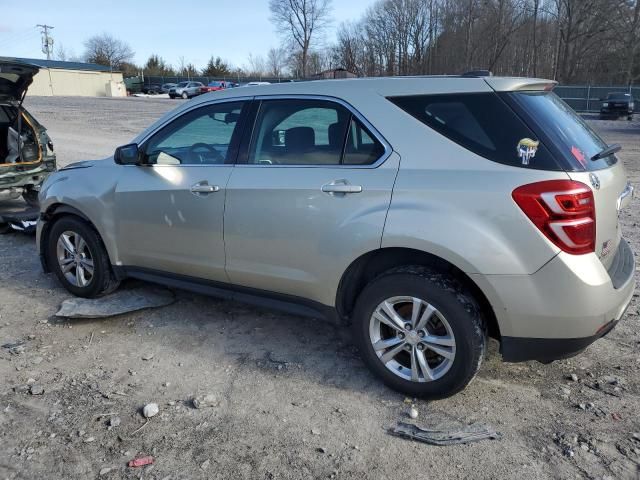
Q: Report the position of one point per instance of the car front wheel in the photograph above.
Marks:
(185, 95)
(420, 331)
(77, 256)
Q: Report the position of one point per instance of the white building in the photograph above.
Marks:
(74, 79)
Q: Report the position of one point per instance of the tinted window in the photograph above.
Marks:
(183, 84)
(361, 147)
(200, 137)
(482, 123)
(299, 132)
(567, 131)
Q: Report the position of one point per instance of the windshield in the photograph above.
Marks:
(569, 134)
(183, 84)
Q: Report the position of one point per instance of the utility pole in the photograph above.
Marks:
(47, 41)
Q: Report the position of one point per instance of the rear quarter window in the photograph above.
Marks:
(571, 138)
(482, 123)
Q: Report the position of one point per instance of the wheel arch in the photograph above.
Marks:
(52, 213)
(371, 264)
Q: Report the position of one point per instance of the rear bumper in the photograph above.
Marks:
(545, 350)
(563, 307)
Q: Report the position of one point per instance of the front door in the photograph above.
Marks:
(310, 197)
(170, 209)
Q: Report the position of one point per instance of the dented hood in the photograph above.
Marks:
(15, 78)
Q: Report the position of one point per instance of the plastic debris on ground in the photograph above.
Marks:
(122, 301)
(473, 433)
(141, 462)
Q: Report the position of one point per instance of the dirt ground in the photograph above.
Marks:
(295, 400)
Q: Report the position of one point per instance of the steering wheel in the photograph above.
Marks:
(199, 157)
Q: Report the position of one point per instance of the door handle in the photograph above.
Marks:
(203, 188)
(340, 187)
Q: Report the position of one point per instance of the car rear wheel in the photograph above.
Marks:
(420, 331)
(630, 117)
(77, 256)
(185, 95)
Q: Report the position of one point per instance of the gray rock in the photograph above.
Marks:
(205, 464)
(105, 470)
(36, 389)
(203, 401)
(573, 377)
(322, 450)
(150, 410)
(89, 439)
(122, 301)
(114, 421)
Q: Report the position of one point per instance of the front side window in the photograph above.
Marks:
(482, 123)
(206, 136)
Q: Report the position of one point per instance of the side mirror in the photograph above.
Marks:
(127, 155)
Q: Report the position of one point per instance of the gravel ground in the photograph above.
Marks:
(293, 399)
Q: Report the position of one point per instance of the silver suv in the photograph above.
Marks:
(186, 90)
(429, 213)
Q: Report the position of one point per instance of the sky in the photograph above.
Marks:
(195, 29)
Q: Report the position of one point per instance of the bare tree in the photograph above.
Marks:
(276, 62)
(256, 66)
(300, 22)
(105, 49)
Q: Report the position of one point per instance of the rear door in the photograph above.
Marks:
(576, 144)
(309, 195)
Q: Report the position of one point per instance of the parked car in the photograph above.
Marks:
(616, 105)
(166, 87)
(216, 85)
(152, 89)
(26, 151)
(430, 213)
(255, 84)
(186, 90)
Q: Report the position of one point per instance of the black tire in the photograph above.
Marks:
(102, 280)
(452, 300)
(31, 197)
(630, 118)
(185, 95)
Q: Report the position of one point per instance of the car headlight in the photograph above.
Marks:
(605, 104)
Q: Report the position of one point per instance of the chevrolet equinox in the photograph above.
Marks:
(430, 213)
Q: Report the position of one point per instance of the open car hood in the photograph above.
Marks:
(15, 78)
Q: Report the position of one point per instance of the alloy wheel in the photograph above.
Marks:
(412, 339)
(74, 259)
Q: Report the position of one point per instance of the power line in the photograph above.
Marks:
(47, 40)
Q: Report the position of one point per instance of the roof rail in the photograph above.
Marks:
(478, 73)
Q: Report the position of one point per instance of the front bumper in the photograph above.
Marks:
(616, 111)
(562, 308)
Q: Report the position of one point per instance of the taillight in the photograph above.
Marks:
(563, 210)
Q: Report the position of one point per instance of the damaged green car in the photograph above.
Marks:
(26, 151)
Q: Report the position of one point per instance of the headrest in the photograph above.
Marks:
(231, 117)
(300, 138)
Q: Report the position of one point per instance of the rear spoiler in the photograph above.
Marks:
(514, 84)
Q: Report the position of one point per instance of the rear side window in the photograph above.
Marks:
(310, 132)
(482, 123)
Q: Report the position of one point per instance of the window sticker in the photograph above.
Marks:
(527, 149)
(577, 153)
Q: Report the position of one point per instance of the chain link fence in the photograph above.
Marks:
(588, 99)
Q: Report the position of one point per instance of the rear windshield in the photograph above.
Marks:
(563, 129)
(482, 123)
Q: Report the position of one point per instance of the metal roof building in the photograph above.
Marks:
(62, 78)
